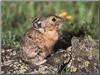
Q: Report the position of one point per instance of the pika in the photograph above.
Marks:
(38, 42)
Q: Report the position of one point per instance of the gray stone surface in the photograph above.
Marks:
(81, 57)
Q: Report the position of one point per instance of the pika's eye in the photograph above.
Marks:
(37, 25)
(53, 19)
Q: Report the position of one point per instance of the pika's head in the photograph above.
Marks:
(53, 22)
(48, 23)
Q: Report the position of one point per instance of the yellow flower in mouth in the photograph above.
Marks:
(69, 18)
(63, 14)
(66, 16)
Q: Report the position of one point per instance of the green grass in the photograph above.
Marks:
(17, 18)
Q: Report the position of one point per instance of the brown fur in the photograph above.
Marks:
(37, 45)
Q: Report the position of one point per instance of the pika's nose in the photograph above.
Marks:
(63, 19)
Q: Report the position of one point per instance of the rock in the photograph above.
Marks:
(14, 53)
(7, 62)
(81, 57)
(59, 58)
(84, 54)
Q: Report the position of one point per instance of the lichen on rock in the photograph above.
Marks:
(85, 56)
(81, 57)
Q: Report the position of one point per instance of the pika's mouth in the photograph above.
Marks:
(63, 20)
(60, 26)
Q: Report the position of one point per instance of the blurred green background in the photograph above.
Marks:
(17, 18)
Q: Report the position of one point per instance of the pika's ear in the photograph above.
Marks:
(36, 23)
(35, 20)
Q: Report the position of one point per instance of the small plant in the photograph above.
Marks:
(9, 40)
